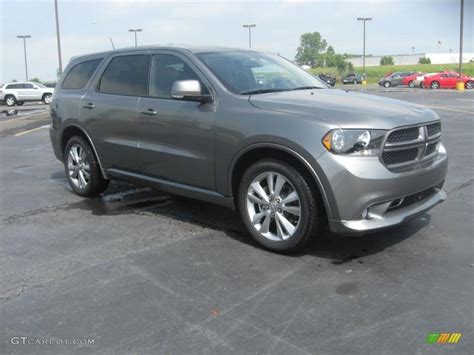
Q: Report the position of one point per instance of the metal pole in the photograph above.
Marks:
(58, 36)
(460, 37)
(249, 26)
(26, 62)
(135, 38)
(250, 37)
(363, 55)
(111, 42)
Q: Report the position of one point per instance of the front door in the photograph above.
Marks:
(176, 137)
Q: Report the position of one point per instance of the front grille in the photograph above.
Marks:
(434, 129)
(402, 135)
(406, 146)
(431, 148)
(399, 156)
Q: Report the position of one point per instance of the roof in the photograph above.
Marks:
(176, 47)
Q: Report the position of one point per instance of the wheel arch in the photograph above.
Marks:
(256, 152)
(72, 130)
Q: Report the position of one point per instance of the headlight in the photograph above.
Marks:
(354, 141)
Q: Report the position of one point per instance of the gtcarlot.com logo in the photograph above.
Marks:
(22, 340)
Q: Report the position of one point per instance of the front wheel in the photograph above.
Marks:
(10, 100)
(82, 169)
(469, 85)
(278, 206)
(434, 84)
(411, 84)
(386, 84)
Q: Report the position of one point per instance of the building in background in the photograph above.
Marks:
(408, 59)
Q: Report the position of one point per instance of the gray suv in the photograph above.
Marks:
(250, 131)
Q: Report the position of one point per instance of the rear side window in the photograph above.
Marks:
(14, 86)
(126, 75)
(80, 74)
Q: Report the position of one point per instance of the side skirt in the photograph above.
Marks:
(173, 187)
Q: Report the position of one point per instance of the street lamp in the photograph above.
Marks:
(250, 32)
(460, 36)
(24, 37)
(363, 54)
(135, 30)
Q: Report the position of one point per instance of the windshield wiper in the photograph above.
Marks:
(261, 91)
(307, 88)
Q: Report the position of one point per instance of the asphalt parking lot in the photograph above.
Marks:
(139, 271)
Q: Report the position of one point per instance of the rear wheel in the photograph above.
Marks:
(469, 85)
(10, 100)
(434, 84)
(387, 84)
(278, 206)
(82, 169)
(411, 84)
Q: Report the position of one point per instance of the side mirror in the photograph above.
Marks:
(189, 90)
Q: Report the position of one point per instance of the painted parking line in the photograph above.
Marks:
(452, 109)
(30, 131)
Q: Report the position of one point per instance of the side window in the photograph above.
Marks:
(80, 74)
(12, 86)
(126, 75)
(28, 86)
(165, 70)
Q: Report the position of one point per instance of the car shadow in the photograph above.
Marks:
(125, 199)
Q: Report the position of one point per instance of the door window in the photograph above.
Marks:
(28, 86)
(165, 70)
(126, 75)
(80, 74)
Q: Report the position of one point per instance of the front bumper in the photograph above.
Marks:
(364, 195)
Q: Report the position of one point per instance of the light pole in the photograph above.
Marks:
(135, 30)
(460, 36)
(250, 32)
(58, 37)
(24, 37)
(363, 51)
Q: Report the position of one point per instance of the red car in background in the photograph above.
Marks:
(410, 80)
(447, 80)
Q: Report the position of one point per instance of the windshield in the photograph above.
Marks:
(248, 73)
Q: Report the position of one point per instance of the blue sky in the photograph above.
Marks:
(87, 24)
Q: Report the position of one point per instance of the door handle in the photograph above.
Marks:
(90, 106)
(149, 112)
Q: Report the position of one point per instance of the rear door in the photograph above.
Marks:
(176, 137)
(109, 109)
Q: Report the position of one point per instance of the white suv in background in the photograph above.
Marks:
(18, 93)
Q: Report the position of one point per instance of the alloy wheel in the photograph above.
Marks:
(273, 206)
(10, 101)
(78, 166)
(47, 99)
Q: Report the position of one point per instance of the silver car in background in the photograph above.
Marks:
(250, 131)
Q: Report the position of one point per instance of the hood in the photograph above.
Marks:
(345, 109)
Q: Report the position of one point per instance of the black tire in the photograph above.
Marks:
(96, 183)
(309, 219)
(387, 84)
(434, 84)
(421, 85)
(47, 98)
(20, 103)
(10, 100)
(411, 84)
(469, 85)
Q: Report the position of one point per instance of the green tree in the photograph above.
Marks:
(424, 60)
(310, 50)
(340, 63)
(387, 60)
(329, 57)
(350, 67)
(35, 80)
